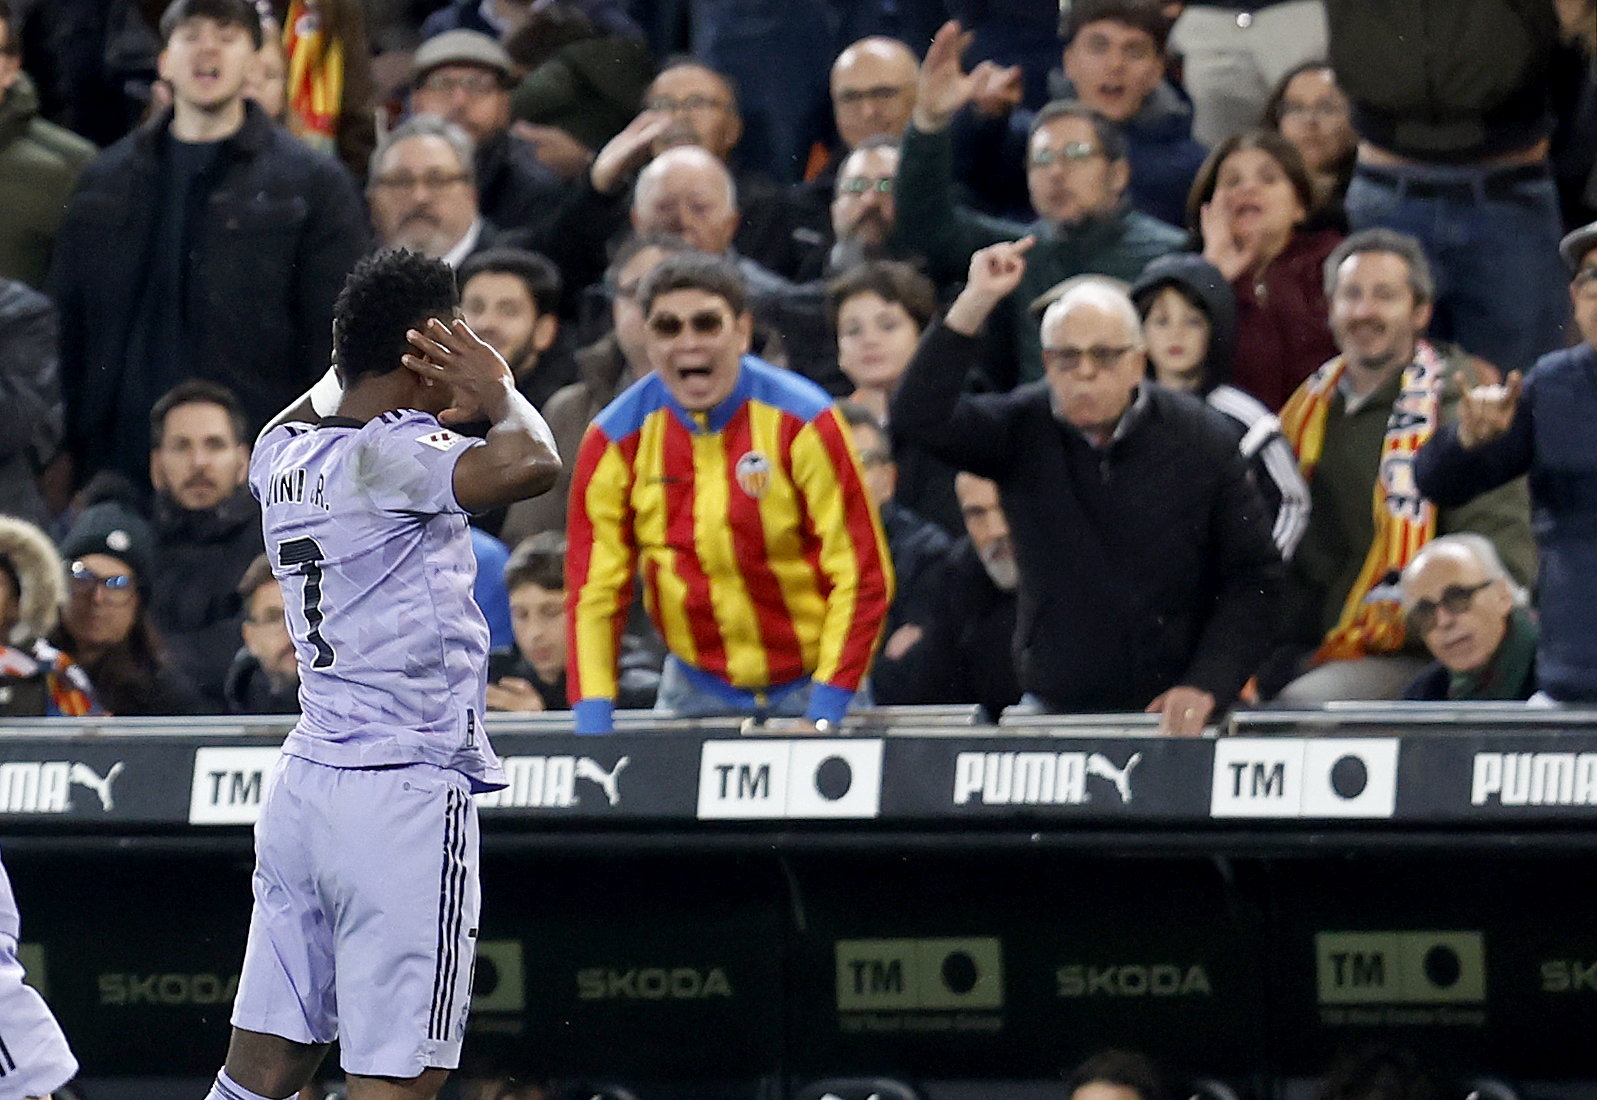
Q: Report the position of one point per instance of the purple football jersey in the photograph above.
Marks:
(10, 921)
(363, 530)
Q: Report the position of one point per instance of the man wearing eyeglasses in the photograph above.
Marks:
(466, 77)
(1077, 176)
(1148, 577)
(733, 488)
(423, 192)
(873, 90)
(1542, 426)
(1471, 615)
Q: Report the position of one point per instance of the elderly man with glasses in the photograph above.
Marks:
(1461, 602)
(1541, 425)
(1148, 578)
(733, 488)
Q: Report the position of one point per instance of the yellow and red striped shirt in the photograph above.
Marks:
(762, 555)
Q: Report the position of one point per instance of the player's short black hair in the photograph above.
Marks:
(387, 293)
(229, 13)
(198, 391)
(538, 559)
(695, 271)
(536, 272)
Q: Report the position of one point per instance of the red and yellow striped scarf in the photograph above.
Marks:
(1372, 616)
(315, 75)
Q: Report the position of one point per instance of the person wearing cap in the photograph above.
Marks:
(1541, 425)
(105, 622)
(466, 77)
(210, 243)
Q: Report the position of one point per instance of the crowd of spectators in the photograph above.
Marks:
(1183, 360)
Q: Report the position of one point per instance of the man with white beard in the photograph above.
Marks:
(964, 652)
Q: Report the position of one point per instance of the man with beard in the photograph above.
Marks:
(423, 191)
(862, 212)
(1355, 425)
(207, 528)
(962, 641)
(511, 298)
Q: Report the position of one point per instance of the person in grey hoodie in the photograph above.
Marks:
(1189, 319)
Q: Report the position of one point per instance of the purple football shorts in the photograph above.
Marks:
(364, 928)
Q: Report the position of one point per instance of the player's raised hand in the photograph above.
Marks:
(1485, 412)
(477, 376)
(943, 86)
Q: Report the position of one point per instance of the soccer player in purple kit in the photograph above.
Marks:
(34, 1057)
(366, 897)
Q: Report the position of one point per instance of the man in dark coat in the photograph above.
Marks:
(208, 244)
(1148, 580)
(207, 530)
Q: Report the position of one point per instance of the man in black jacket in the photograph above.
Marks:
(208, 244)
(1148, 580)
(207, 530)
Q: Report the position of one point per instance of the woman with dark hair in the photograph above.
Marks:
(1308, 109)
(1248, 208)
(105, 624)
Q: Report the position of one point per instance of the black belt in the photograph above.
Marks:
(1500, 183)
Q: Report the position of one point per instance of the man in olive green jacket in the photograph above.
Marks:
(39, 164)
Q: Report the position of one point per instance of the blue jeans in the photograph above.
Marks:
(686, 694)
(1492, 240)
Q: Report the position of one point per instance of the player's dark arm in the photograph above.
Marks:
(519, 459)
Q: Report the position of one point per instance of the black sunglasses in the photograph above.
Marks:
(706, 322)
(1455, 597)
